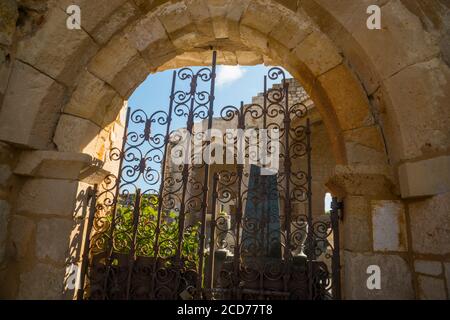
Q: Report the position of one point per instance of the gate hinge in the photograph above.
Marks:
(338, 207)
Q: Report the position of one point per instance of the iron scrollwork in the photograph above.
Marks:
(160, 230)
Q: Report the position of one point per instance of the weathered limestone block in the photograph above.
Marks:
(356, 225)
(112, 58)
(396, 281)
(5, 71)
(426, 86)
(262, 16)
(56, 50)
(388, 225)
(369, 142)
(318, 53)
(22, 234)
(53, 164)
(431, 288)
(31, 107)
(229, 26)
(39, 277)
(291, 30)
(132, 75)
(94, 13)
(432, 268)
(254, 39)
(401, 42)
(430, 225)
(75, 134)
(218, 10)
(425, 178)
(176, 19)
(4, 221)
(362, 180)
(47, 197)
(199, 13)
(347, 97)
(91, 98)
(120, 18)
(447, 277)
(52, 239)
(248, 58)
(8, 18)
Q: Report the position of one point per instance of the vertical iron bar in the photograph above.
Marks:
(87, 241)
(185, 174)
(206, 179)
(335, 259)
(239, 213)
(110, 245)
(161, 187)
(132, 255)
(311, 249)
(287, 172)
(212, 243)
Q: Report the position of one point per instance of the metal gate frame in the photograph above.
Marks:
(116, 266)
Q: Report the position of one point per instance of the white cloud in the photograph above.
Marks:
(229, 74)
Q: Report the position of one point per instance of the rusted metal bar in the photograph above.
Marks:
(87, 241)
(209, 277)
(132, 254)
(201, 251)
(110, 244)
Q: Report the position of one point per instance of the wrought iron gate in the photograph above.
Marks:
(195, 229)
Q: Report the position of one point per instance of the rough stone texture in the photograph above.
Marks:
(47, 197)
(396, 282)
(430, 225)
(22, 232)
(423, 130)
(52, 240)
(248, 58)
(75, 134)
(56, 50)
(388, 225)
(356, 226)
(9, 15)
(431, 288)
(95, 14)
(425, 178)
(42, 276)
(432, 268)
(91, 98)
(361, 180)
(262, 16)
(112, 59)
(345, 92)
(116, 21)
(53, 164)
(291, 30)
(365, 146)
(318, 53)
(4, 220)
(447, 277)
(32, 100)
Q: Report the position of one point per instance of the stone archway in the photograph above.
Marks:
(67, 87)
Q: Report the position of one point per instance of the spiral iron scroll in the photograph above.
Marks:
(145, 238)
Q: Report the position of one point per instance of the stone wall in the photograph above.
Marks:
(382, 95)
